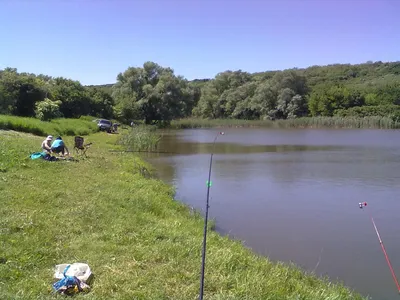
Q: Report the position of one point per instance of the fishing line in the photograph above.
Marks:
(209, 183)
(364, 204)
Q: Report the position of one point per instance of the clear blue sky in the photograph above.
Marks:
(93, 40)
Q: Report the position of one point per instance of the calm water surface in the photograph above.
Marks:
(293, 195)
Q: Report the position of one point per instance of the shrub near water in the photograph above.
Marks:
(42, 128)
(140, 138)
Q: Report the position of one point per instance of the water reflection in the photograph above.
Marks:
(173, 145)
(289, 194)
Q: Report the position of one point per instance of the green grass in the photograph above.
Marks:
(139, 242)
(309, 122)
(55, 127)
(140, 138)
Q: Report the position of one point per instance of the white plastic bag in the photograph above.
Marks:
(80, 270)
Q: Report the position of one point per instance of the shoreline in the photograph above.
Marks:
(139, 240)
(372, 122)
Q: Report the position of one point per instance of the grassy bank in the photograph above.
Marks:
(311, 122)
(138, 241)
(62, 126)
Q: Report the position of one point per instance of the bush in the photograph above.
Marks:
(47, 110)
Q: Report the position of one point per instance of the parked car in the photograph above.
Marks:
(104, 125)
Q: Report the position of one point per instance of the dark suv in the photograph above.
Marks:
(104, 125)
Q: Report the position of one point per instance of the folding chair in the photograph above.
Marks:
(80, 147)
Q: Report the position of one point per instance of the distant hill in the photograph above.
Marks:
(341, 73)
(333, 73)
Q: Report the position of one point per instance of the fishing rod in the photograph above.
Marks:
(361, 205)
(203, 257)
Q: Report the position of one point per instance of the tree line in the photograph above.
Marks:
(153, 93)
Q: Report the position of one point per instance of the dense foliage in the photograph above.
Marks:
(154, 93)
(30, 95)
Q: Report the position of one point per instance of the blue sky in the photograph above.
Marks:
(93, 40)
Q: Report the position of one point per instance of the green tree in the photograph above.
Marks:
(207, 105)
(238, 100)
(153, 93)
(264, 100)
(275, 98)
(292, 80)
(325, 100)
(19, 92)
(48, 109)
(284, 98)
(297, 107)
(215, 93)
(74, 98)
(102, 104)
(230, 79)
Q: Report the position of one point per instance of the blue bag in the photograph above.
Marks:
(67, 285)
(37, 155)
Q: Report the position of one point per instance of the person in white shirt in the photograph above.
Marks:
(46, 144)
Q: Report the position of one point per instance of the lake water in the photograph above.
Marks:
(293, 195)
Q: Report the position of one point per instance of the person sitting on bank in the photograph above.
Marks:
(46, 144)
(59, 147)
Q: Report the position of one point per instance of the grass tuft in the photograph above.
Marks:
(140, 138)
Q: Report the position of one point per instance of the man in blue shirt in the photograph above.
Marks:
(59, 147)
